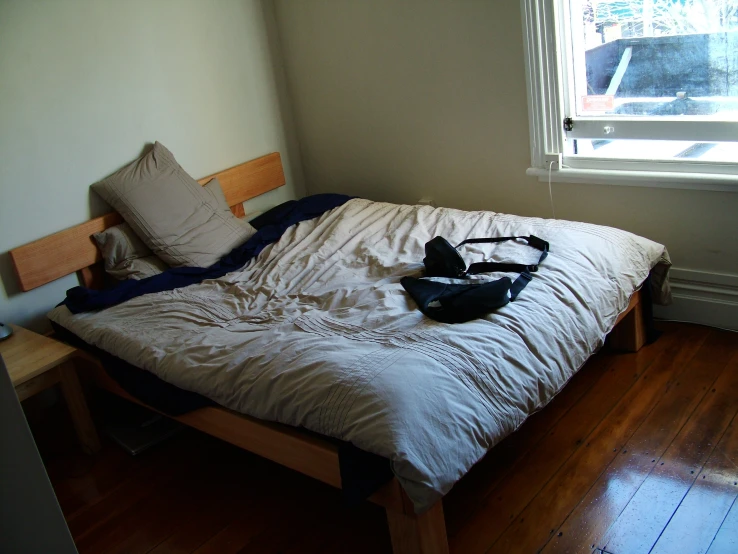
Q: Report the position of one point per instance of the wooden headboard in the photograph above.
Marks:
(73, 249)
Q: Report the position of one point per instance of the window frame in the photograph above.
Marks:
(548, 81)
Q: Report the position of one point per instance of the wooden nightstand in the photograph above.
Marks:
(35, 363)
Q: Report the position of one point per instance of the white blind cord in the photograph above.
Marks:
(550, 191)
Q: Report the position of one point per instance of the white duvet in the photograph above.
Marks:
(318, 332)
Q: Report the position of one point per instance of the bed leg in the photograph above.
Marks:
(418, 534)
(630, 333)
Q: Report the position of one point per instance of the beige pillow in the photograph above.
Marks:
(214, 189)
(180, 221)
(125, 256)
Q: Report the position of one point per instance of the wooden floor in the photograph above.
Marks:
(639, 453)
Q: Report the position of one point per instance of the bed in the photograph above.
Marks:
(315, 342)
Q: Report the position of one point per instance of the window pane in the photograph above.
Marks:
(655, 58)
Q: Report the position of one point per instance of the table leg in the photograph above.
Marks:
(78, 408)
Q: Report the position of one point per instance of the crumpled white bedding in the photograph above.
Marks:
(317, 332)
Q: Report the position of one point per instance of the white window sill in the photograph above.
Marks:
(659, 179)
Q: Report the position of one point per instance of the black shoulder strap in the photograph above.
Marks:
(486, 267)
(524, 270)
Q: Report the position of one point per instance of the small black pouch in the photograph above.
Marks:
(457, 303)
(442, 259)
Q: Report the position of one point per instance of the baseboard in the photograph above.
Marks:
(702, 297)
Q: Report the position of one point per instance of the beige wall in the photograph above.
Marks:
(395, 100)
(84, 85)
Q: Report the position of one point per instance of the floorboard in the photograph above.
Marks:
(603, 445)
(638, 453)
(531, 472)
(702, 511)
(643, 520)
(726, 539)
(615, 487)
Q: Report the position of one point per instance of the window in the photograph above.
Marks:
(634, 91)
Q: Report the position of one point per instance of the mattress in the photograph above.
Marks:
(317, 332)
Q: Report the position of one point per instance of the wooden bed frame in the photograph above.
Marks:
(73, 250)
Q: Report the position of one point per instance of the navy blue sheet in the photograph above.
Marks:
(271, 225)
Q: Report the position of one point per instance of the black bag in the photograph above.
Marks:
(457, 303)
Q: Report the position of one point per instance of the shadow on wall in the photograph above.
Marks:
(7, 275)
(97, 207)
(12, 288)
(284, 102)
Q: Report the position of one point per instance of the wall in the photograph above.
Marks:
(398, 100)
(86, 84)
